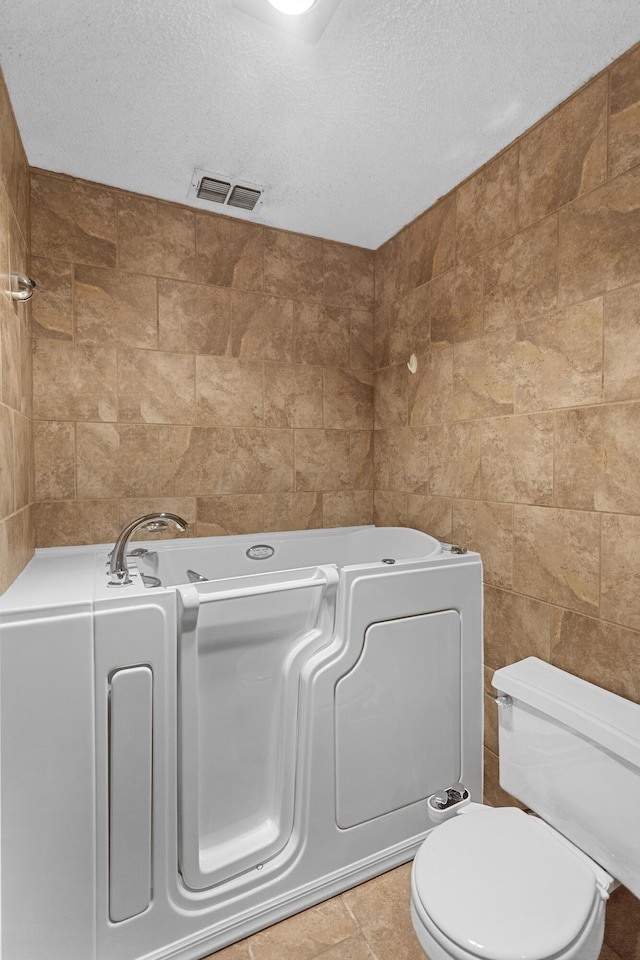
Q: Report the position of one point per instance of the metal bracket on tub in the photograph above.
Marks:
(449, 797)
(453, 548)
(447, 803)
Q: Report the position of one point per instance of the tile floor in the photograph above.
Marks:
(369, 922)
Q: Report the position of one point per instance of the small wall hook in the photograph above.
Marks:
(22, 287)
(413, 363)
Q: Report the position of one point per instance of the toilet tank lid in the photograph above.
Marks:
(604, 717)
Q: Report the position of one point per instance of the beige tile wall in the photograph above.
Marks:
(16, 442)
(186, 360)
(520, 433)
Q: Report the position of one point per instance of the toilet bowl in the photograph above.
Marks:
(501, 884)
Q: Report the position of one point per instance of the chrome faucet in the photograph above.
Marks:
(153, 522)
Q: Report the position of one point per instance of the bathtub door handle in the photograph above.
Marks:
(328, 577)
(190, 598)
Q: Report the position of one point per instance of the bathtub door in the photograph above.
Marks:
(241, 650)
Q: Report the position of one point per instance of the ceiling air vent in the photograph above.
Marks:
(227, 191)
(214, 190)
(244, 197)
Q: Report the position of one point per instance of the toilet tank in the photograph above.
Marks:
(571, 752)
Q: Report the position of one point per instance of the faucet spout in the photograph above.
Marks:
(118, 569)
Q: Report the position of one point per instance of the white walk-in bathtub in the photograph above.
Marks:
(251, 726)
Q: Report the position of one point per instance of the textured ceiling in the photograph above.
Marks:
(353, 137)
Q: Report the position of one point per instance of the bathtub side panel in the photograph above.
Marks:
(48, 797)
(138, 634)
(446, 595)
(393, 745)
(374, 845)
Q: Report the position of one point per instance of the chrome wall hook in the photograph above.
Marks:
(22, 287)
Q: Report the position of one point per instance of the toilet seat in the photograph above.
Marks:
(499, 884)
(437, 946)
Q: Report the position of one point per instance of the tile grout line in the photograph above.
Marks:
(358, 925)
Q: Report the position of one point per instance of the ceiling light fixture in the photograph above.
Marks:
(293, 8)
(304, 19)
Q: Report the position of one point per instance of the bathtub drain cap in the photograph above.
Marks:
(260, 551)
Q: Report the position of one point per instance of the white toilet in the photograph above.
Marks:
(501, 884)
